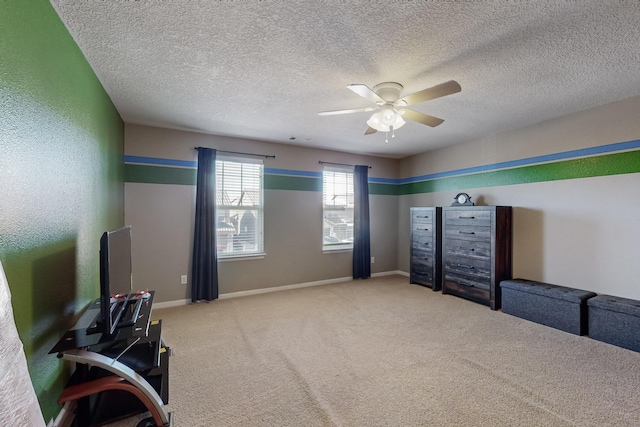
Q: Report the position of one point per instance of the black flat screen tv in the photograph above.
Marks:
(115, 277)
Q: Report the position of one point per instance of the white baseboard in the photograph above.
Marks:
(390, 273)
(176, 303)
(284, 288)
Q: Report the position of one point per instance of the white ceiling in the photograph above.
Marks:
(263, 69)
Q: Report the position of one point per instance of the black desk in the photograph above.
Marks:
(111, 368)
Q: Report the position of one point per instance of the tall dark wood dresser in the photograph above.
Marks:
(476, 252)
(426, 250)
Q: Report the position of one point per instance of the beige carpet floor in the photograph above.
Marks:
(382, 352)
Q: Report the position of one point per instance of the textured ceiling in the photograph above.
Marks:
(263, 69)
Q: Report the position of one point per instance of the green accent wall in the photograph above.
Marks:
(62, 172)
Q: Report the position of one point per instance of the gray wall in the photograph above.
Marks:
(575, 221)
(581, 232)
(161, 216)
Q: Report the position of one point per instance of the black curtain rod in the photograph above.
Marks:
(237, 152)
(339, 164)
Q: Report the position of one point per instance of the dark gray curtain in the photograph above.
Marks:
(204, 271)
(361, 234)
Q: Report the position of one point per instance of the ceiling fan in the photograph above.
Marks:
(389, 110)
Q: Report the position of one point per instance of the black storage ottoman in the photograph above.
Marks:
(615, 320)
(550, 305)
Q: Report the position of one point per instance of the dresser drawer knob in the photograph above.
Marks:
(466, 217)
(468, 267)
(466, 232)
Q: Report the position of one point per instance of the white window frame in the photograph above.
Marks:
(233, 201)
(337, 199)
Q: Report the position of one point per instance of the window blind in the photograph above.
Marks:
(239, 207)
(338, 202)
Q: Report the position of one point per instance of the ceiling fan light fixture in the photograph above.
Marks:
(388, 115)
(399, 122)
(376, 122)
(385, 119)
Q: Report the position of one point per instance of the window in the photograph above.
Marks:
(337, 206)
(239, 207)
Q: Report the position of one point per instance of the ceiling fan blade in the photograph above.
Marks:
(370, 130)
(422, 118)
(355, 110)
(365, 92)
(438, 91)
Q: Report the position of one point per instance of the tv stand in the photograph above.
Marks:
(111, 368)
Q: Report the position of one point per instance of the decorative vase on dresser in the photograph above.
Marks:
(476, 252)
(426, 250)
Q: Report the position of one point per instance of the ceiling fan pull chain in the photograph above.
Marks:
(386, 140)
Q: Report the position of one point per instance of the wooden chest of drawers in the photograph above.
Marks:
(425, 247)
(476, 252)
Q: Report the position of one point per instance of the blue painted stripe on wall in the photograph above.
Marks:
(384, 180)
(156, 161)
(572, 154)
(583, 152)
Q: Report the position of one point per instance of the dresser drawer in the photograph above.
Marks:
(468, 282)
(422, 242)
(466, 289)
(472, 269)
(422, 257)
(422, 227)
(422, 275)
(423, 231)
(422, 217)
(468, 217)
(468, 232)
(469, 248)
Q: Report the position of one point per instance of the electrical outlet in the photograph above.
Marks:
(373, 260)
(183, 279)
